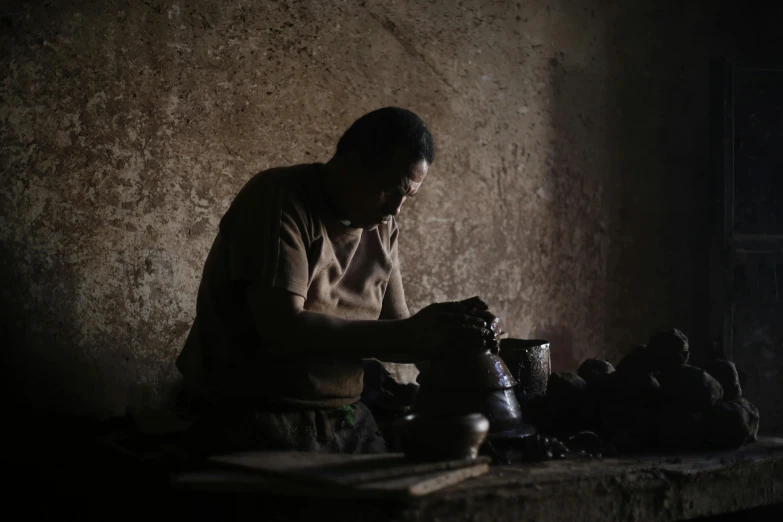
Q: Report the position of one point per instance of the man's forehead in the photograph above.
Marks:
(411, 172)
(407, 176)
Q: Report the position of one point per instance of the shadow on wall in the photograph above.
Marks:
(658, 128)
(629, 184)
(576, 186)
(48, 370)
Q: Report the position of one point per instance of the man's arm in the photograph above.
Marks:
(288, 329)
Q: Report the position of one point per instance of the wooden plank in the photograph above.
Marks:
(237, 481)
(337, 468)
(420, 485)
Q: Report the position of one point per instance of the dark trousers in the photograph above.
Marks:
(221, 430)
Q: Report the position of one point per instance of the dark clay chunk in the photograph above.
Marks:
(668, 349)
(690, 388)
(566, 392)
(730, 425)
(637, 360)
(538, 411)
(642, 390)
(636, 429)
(630, 388)
(753, 416)
(726, 374)
(681, 430)
(565, 386)
(593, 369)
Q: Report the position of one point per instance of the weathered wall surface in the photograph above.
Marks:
(567, 191)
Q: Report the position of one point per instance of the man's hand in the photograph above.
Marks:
(442, 327)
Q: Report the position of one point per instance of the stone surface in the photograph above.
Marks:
(126, 128)
(668, 487)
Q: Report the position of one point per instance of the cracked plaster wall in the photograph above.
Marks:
(567, 190)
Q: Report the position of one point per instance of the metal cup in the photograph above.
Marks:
(529, 362)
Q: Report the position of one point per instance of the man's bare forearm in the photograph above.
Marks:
(317, 333)
(288, 329)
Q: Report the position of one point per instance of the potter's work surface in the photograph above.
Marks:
(335, 468)
(660, 487)
(330, 475)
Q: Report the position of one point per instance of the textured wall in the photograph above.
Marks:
(567, 192)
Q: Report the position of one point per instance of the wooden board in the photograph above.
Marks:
(423, 484)
(242, 481)
(338, 469)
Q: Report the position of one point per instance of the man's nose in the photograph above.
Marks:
(397, 206)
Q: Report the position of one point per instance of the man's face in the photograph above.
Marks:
(375, 197)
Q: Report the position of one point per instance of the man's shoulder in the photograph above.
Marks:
(292, 186)
(292, 177)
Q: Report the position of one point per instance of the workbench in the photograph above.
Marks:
(651, 487)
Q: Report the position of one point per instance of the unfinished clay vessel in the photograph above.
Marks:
(479, 383)
(481, 371)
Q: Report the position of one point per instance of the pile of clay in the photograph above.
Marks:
(652, 400)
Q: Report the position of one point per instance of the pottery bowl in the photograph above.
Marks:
(434, 436)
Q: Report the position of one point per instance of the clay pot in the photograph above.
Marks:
(428, 437)
(529, 363)
(465, 384)
(482, 371)
(500, 407)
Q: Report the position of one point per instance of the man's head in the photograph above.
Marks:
(383, 158)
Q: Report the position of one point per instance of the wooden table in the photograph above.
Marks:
(656, 487)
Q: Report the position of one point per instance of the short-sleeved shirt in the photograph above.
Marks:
(279, 233)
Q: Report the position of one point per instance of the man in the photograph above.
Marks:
(303, 282)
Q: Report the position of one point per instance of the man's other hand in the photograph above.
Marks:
(441, 327)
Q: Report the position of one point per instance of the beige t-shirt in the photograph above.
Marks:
(279, 233)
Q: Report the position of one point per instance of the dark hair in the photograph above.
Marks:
(377, 135)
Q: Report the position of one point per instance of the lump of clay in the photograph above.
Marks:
(636, 361)
(753, 415)
(538, 411)
(726, 374)
(690, 388)
(565, 387)
(635, 430)
(566, 392)
(592, 370)
(668, 349)
(630, 388)
(681, 430)
(730, 425)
